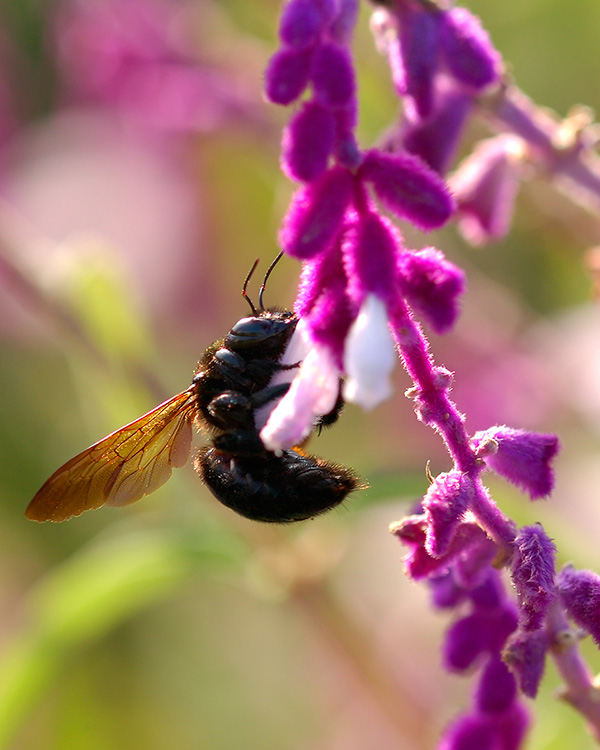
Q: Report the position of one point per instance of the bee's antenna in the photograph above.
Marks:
(244, 293)
(268, 273)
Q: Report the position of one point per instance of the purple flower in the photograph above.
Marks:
(482, 731)
(497, 688)
(436, 139)
(445, 504)
(287, 75)
(432, 286)
(521, 457)
(406, 186)
(316, 214)
(301, 23)
(308, 142)
(580, 594)
(532, 570)
(419, 37)
(333, 76)
(124, 53)
(485, 186)
(525, 655)
(419, 564)
(467, 49)
(370, 251)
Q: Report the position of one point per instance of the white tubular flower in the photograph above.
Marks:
(369, 356)
(295, 352)
(313, 392)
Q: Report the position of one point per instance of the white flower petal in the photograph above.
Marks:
(313, 392)
(369, 356)
(298, 347)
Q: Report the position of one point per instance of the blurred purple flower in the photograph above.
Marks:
(138, 56)
(525, 654)
(485, 186)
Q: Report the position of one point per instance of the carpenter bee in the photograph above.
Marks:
(231, 382)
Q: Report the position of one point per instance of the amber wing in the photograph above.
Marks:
(122, 467)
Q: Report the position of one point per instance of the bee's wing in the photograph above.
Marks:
(122, 467)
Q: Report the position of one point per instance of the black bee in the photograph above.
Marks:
(231, 382)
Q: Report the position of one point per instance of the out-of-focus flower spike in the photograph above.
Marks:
(316, 214)
(471, 732)
(435, 140)
(467, 49)
(525, 654)
(485, 186)
(523, 458)
(480, 731)
(432, 285)
(532, 571)
(287, 75)
(343, 25)
(369, 356)
(445, 591)
(301, 23)
(308, 141)
(445, 504)
(333, 76)
(580, 594)
(409, 188)
(419, 35)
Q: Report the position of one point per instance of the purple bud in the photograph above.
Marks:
(467, 49)
(419, 35)
(445, 504)
(307, 143)
(333, 76)
(532, 571)
(485, 186)
(431, 285)
(370, 249)
(521, 457)
(406, 186)
(465, 641)
(525, 655)
(580, 594)
(316, 214)
(301, 23)
(287, 75)
(497, 688)
(345, 21)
